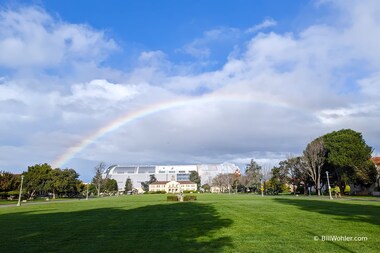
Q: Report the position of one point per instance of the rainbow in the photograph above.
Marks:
(153, 109)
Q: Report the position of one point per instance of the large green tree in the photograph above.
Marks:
(278, 180)
(128, 185)
(37, 179)
(348, 158)
(110, 185)
(253, 173)
(69, 183)
(54, 182)
(9, 181)
(195, 178)
(145, 185)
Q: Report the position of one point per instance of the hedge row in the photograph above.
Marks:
(185, 198)
(172, 198)
(189, 198)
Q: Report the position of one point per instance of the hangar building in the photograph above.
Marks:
(141, 173)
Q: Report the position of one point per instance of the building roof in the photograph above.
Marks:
(186, 182)
(160, 182)
(165, 182)
(208, 169)
(376, 160)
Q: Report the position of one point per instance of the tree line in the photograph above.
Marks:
(43, 180)
(343, 154)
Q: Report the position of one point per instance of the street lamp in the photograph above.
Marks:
(19, 196)
(328, 183)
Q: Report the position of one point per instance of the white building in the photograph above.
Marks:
(141, 173)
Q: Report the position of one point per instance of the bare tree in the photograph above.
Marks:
(314, 157)
(218, 181)
(266, 174)
(228, 180)
(377, 165)
(224, 181)
(98, 180)
(294, 171)
(245, 181)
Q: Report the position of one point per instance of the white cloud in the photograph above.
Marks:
(268, 22)
(202, 47)
(370, 86)
(99, 94)
(30, 37)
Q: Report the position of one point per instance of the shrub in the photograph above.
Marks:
(172, 198)
(189, 198)
(347, 189)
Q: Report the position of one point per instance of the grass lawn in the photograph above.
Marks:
(214, 223)
(7, 202)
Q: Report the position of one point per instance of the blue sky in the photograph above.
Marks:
(254, 79)
(169, 25)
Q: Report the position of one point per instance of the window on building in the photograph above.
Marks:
(183, 177)
(147, 169)
(123, 170)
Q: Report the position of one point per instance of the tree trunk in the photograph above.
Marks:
(318, 191)
(32, 194)
(319, 179)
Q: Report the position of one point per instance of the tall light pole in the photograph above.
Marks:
(328, 183)
(19, 196)
(87, 192)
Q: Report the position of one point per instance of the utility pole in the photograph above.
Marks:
(328, 183)
(19, 196)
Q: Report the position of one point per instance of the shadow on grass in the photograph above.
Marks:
(178, 227)
(343, 209)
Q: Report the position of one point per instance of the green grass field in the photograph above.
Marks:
(214, 223)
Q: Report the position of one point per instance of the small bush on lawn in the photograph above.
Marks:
(172, 198)
(189, 198)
